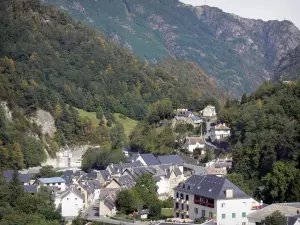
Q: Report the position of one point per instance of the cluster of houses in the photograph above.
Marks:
(198, 191)
(209, 116)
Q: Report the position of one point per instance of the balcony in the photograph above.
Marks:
(187, 202)
(186, 213)
(204, 203)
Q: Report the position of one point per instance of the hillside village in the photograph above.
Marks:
(199, 191)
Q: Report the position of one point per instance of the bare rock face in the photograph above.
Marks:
(46, 121)
(7, 111)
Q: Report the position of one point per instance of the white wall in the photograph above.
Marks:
(237, 206)
(162, 185)
(61, 186)
(197, 145)
(71, 205)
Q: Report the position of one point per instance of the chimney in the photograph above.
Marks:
(229, 193)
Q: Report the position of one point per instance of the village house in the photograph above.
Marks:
(191, 143)
(209, 113)
(219, 132)
(71, 202)
(186, 117)
(107, 206)
(212, 197)
(145, 159)
(58, 182)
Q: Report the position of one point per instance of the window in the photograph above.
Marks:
(182, 206)
(243, 214)
(223, 216)
(177, 215)
(187, 197)
(183, 186)
(181, 196)
(196, 210)
(203, 213)
(187, 208)
(53, 183)
(187, 216)
(75, 198)
(210, 215)
(233, 215)
(48, 184)
(67, 198)
(177, 195)
(223, 205)
(244, 223)
(177, 205)
(59, 183)
(188, 187)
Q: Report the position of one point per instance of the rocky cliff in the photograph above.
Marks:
(237, 53)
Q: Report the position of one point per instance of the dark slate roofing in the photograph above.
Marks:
(92, 175)
(30, 188)
(150, 159)
(125, 179)
(8, 174)
(121, 167)
(109, 203)
(177, 171)
(67, 173)
(195, 118)
(49, 180)
(210, 186)
(133, 158)
(293, 219)
(72, 190)
(170, 159)
(105, 174)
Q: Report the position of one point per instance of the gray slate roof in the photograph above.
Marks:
(293, 219)
(92, 175)
(170, 159)
(49, 180)
(149, 159)
(210, 186)
(30, 188)
(8, 174)
(105, 174)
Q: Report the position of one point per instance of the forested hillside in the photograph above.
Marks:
(289, 67)
(238, 53)
(266, 141)
(50, 62)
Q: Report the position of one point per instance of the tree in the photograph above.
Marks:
(239, 181)
(46, 171)
(155, 210)
(278, 182)
(276, 218)
(15, 189)
(99, 113)
(125, 202)
(146, 188)
(244, 98)
(117, 137)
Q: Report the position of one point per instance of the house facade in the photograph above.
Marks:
(220, 131)
(58, 182)
(209, 111)
(214, 198)
(191, 143)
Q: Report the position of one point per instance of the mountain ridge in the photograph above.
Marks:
(238, 53)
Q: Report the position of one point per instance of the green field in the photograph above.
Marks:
(167, 212)
(91, 115)
(128, 124)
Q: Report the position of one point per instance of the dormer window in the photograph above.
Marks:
(183, 186)
(188, 187)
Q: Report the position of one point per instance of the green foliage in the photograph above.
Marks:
(152, 139)
(239, 181)
(21, 208)
(265, 139)
(47, 171)
(276, 218)
(117, 137)
(95, 158)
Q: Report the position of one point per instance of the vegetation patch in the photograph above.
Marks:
(128, 124)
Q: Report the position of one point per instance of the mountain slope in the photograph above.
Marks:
(238, 53)
(289, 67)
(50, 62)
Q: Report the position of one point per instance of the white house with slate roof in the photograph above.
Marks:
(71, 202)
(212, 197)
(146, 159)
(58, 182)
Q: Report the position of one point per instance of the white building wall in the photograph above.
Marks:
(238, 206)
(197, 145)
(71, 205)
(61, 186)
(162, 185)
(196, 211)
